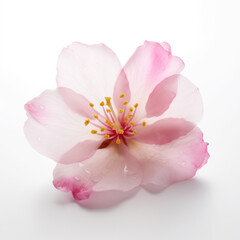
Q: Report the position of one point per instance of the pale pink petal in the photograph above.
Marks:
(52, 128)
(121, 86)
(150, 64)
(187, 103)
(90, 70)
(173, 162)
(161, 97)
(107, 170)
(163, 131)
(124, 172)
(77, 103)
(80, 152)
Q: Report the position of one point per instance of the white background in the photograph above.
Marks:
(205, 34)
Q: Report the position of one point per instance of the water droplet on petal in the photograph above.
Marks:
(125, 170)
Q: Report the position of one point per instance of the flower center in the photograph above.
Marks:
(115, 127)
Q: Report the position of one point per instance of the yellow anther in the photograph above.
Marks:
(102, 129)
(96, 116)
(130, 115)
(87, 122)
(102, 103)
(131, 123)
(125, 102)
(122, 95)
(198, 89)
(125, 119)
(118, 141)
(136, 105)
(108, 122)
(91, 104)
(134, 132)
(106, 136)
(93, 131)
(121, 110)
(108, 101)
(144, 124)
(108, 110)
(120, 131)
(131, 109)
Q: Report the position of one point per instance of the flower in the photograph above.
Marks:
(114, 129)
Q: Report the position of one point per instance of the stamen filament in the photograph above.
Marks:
(104, 123)
(108, 100)
(130, 119)
(105, 112)
(96, 125)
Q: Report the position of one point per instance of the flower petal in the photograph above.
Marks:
(80, 152)
(187, 104)
(173, 162)
(121, 86)
(164, 131)
(52, 128)
(77, 103)
(162, 96)
(90, 70)
(150, 64)
(107, 170)
(124, 173)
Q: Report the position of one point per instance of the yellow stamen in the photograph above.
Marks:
(106, 136)
(108, 110)
(87, 122)
(120, 131)
(102, 103)
(108, 101)
(91, 104)
(134, 132)
(131, 109)
(122, 95)
(144, 124)
(118, 141)
(96, 116)
(130, 115)
(102, 129)
(198, 89)
(125, 102)
(93, 131)
(125, 119)
(121, 110)
(136, 105)
(131, 123)
(108, 122)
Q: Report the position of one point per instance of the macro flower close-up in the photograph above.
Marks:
(114, 128)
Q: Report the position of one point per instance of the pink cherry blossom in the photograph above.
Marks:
(114, 129)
